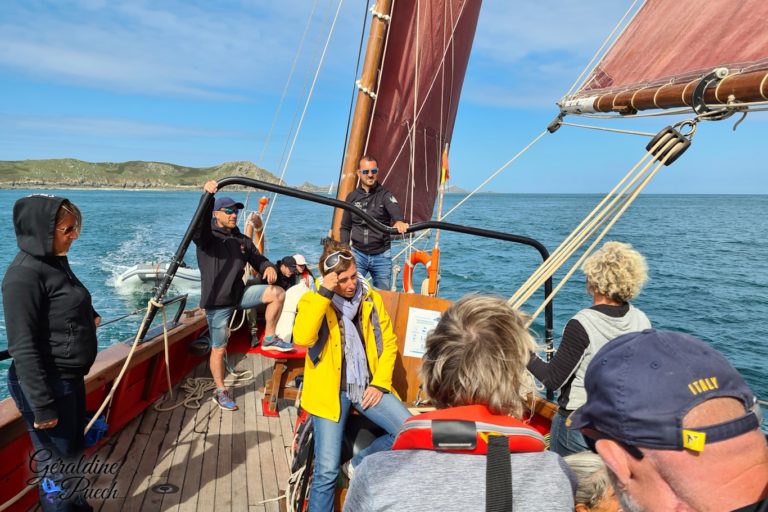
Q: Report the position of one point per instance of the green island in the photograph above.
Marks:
(72, 173)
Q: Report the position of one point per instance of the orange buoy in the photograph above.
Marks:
(431, 262)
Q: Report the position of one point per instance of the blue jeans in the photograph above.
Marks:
(379, 266)
(65, 441)
(563, 440)
(389, 414)
(218, 319)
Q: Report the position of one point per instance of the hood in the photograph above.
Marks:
(34, 219)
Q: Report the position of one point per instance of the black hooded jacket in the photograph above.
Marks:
(48, 313)
(221, 256)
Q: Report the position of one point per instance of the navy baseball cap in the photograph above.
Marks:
(227, 202)
(641, 385)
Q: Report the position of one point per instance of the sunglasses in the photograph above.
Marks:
(229, 211)
(69, 229)
(335, 258)
(373, 171)
(591, 436)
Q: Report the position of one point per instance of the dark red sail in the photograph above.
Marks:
(427, 51)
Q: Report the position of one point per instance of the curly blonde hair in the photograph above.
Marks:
(477, 356)
(616, 271)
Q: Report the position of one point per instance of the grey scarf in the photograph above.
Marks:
(354, 348)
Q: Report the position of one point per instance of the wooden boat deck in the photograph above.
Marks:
(218, 460)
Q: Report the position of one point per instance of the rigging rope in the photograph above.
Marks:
(479, 187)
(142, 328)
(600, 128)
(306, 105)
(284, 93)
(600, 50)
(607, 213)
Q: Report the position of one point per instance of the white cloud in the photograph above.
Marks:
(529, 54)
(187, 49)
(105, 127)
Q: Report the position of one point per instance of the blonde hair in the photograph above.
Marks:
(593, 483)
(68, 207)
(477, 354)
(616, 271)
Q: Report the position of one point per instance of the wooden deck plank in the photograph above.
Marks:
(252, 453)
(145, 478)
(219, 460)
(286, 425)
(207, 492)
(278, 454)
(193, 469)
(239, 445)
(116, 448)
(161, 471)
(266, 457)
(181, 458)
(137, 445)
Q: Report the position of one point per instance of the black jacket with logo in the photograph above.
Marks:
(48, 312)
(380, 204)
(222, 255)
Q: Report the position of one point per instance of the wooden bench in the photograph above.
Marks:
(287, 366)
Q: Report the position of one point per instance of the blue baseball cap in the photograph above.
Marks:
(226, 202)
(641, 385)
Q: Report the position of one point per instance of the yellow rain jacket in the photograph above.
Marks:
(322, 382)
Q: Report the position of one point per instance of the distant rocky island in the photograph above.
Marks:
(72, 173)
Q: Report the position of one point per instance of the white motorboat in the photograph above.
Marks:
(153, 274)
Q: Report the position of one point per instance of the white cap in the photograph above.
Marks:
(300, 259)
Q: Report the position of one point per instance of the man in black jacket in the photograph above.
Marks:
(222, 253)
(371, 248)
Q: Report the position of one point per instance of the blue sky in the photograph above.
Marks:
(197, 83)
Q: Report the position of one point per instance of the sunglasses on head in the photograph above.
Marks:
(68, 230)
(591, 436)
(229, 211)
(373, 171)
(335, 258)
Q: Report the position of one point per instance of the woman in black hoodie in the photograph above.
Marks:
(51, 327)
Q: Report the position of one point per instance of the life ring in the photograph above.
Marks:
(431, 262)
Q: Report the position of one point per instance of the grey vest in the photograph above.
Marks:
(601, 329)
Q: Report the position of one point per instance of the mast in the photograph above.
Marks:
(363, 107)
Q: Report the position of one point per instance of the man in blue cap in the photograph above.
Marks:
(676, 425)
(222, 253)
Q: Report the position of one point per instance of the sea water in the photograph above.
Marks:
(707, 256)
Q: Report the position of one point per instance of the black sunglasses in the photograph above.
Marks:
(229, 211)
(591, 436)
(373, 171)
